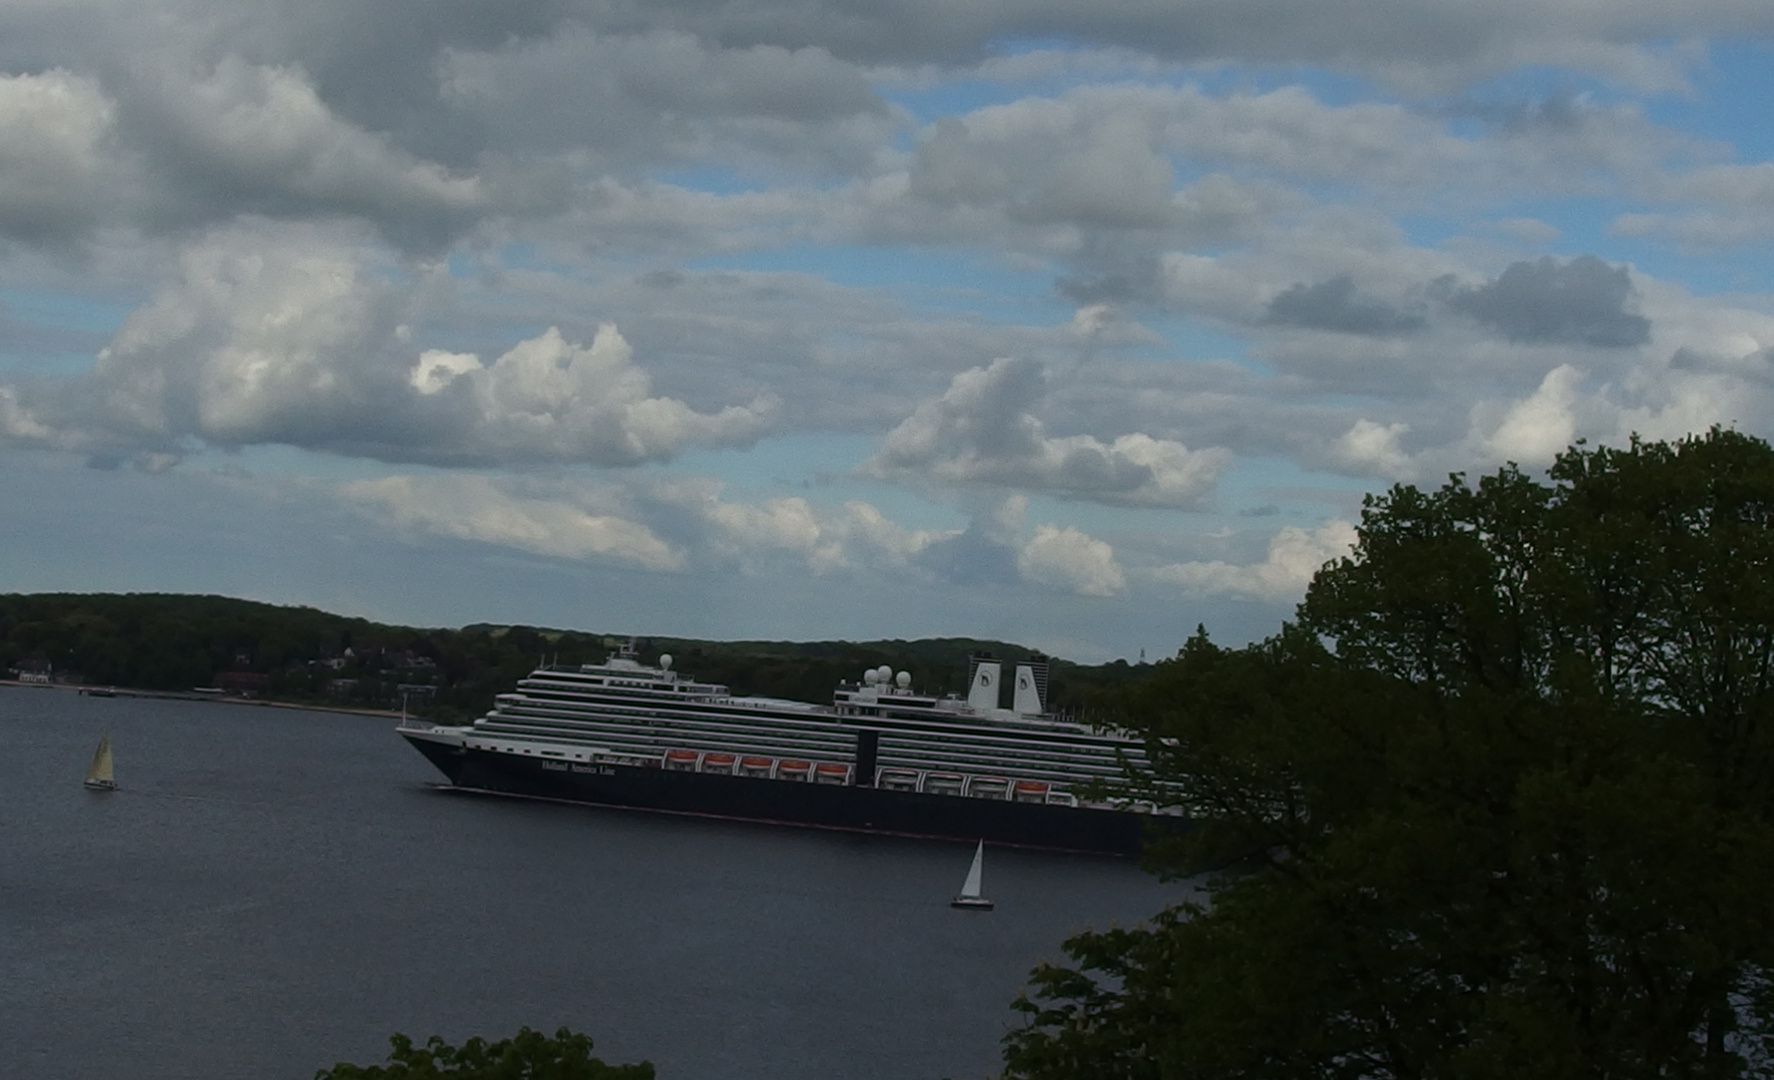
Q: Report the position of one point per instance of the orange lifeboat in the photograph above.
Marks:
(681, 760)
(1029, 791)
(717, 763)
(827, 772)
(755, 766)
(794, 770)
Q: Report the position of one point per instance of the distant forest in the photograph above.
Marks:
(154, 641)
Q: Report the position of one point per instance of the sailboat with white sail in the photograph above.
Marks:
(100, 774)
(969, 896)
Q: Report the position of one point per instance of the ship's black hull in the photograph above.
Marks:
(832, 806)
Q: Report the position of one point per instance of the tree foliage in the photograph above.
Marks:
(529, 1055)
(171, 642)
(1500, 802)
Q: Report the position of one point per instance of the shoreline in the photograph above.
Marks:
(89, 690)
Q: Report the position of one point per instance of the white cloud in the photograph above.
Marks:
(299, 335)
(823, 539)
(1068, 559)
(436, 369)
(268, 132)
(866, 528)
(1718, 205)
(661, 523)
(1113, 178)
(268, 334)
(1372, 449)
(1295, 554)
(57, 165)
(1539, 427)
(376, 231)
(468, 507)
(17, 422)
(549, 399)
(981, 432)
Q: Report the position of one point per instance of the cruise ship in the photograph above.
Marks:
(879, 758)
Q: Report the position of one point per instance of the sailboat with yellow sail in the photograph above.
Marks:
(100, 774)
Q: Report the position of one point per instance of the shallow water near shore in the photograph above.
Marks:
(273, 891)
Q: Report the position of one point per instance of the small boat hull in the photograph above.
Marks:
(971, 903)
(100, 785)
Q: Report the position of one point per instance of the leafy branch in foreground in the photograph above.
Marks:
(1499, 803)
(528, 1055)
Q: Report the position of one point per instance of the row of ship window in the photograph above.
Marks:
(835, 773)
(887, 778)
(641, 726)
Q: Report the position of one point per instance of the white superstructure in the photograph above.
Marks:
(626, 712)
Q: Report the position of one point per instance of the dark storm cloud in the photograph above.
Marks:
(1581, 301)
(1334, 305)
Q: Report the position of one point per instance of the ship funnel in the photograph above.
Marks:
(1031, 688)
(982, 691)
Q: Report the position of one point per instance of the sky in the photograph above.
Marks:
(1074, 325)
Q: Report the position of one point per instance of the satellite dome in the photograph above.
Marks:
(664, 661)
(904, 679)
(884, 673)
(871, 677)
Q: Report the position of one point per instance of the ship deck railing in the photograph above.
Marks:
(1105, 755)
(791, 711)
(603, 712)
(1062, 773)
(1107, 758)
(1012, 784)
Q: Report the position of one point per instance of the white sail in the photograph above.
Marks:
(970, 887)
(99, 774)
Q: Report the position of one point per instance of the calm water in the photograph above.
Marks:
(274, 891)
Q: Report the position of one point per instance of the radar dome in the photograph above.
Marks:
(904, 679)
(871, 677)
(664, 661)
(884, 673)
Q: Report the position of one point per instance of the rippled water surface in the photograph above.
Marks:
(273, 891)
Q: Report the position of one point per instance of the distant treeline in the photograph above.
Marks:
(157, 641)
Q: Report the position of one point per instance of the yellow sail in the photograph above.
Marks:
(98, 774)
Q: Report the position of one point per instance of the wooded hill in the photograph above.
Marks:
(156, 641)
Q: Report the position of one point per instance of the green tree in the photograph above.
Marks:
(1500, 802)
(529, 1055)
